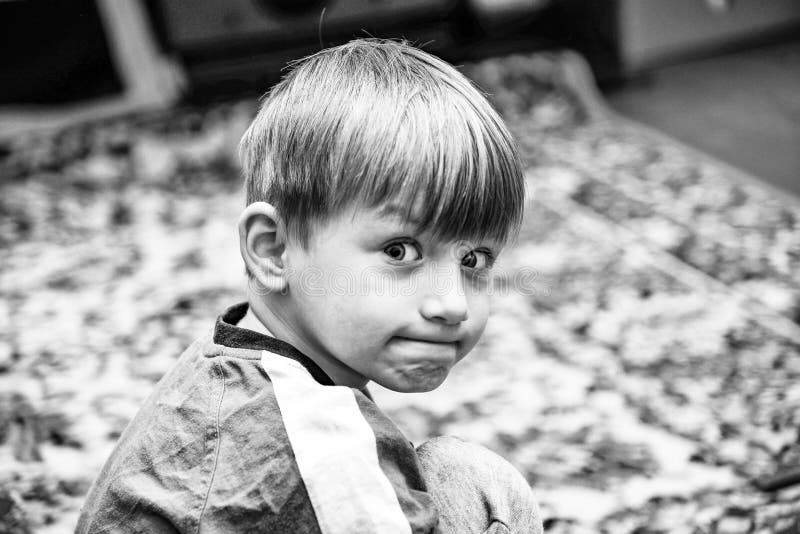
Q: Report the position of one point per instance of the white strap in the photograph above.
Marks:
(336, 454)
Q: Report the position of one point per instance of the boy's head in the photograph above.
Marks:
(380, 186)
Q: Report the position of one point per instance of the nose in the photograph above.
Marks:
(446, 301)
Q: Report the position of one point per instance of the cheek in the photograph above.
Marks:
(479, 306)
(357, 323)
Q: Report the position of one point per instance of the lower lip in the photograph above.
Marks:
(426, 350)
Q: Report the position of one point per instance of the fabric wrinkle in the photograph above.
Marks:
(216, 438)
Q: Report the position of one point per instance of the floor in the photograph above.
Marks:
(743, 108)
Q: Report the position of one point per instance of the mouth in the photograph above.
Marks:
(433, 351)
(422, 363)
(440, 339)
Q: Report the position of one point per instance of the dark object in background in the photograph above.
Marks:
(779, 481)
(59, 53)
(245, 43)
(53, 52)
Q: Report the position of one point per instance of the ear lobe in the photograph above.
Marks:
(262, 243)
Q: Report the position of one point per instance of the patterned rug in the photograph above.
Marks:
(640, 368)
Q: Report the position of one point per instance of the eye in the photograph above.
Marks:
(403, 251)
(478, 259)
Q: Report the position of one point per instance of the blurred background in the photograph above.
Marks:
(720, 74)
(647, 379)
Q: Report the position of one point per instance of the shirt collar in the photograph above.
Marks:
(226, 333)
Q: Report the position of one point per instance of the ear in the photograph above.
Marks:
(262, 243)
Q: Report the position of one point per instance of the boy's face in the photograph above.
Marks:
(371, 299)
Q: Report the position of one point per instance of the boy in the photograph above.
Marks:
(380, 187)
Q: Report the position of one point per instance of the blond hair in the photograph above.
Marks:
(378, 120)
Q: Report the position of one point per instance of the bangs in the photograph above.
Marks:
(453, 173)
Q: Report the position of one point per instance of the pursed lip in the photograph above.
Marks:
(429, 339)
(433, 352)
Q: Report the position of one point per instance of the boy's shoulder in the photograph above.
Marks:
(208, 443)
(238, 435)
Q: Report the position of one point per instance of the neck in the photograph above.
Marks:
(267, 310)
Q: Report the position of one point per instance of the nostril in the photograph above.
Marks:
(452, 317)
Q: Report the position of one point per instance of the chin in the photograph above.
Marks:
(413, 386)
